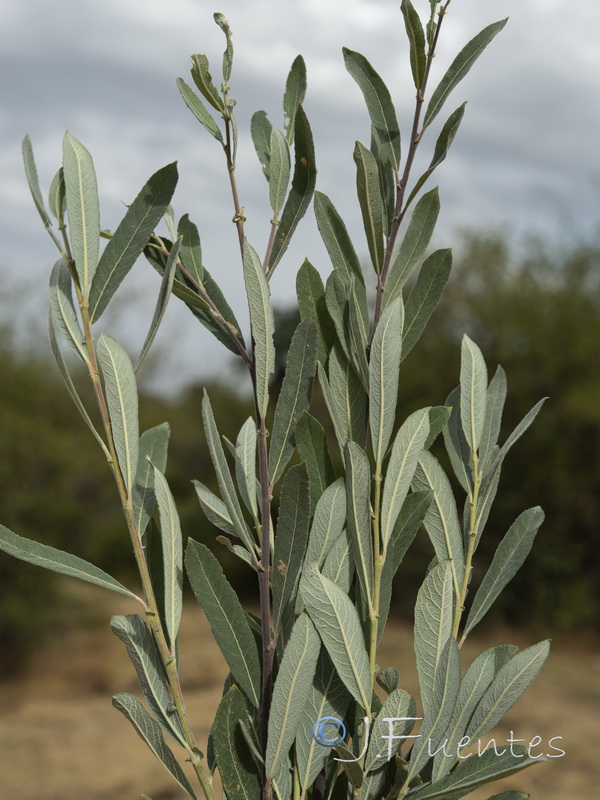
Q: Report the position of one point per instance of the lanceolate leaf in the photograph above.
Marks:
(379, 102)
(295, 395)
(172, 549)
(291, 690)
(122, 400)
(369, 197)
(397, 705)
(510, 683)
(222, 22)
(384, 366)
(335, 237)
(204, 82)
(303, 186)
(33, 180)
(416, 38)
(496, 462)
(475, 772)
(63, 310)
(291, 539)
(328, 522)
(214, 509)
(226, 617)
(441, 521)
(313, 450)
(414, 244)
(438, 419)
(245, 464)
(348, 398)
(238, 774)
(166, 287)
(260, 130)
(496, 395)
(191, 249)
(311, 303)
(424, 297)
(508, 559)
(279, 170)
(57, 200)
(83, 209)
(295, 91)
(339, 564)
(198, 109)
(149, 730)
(408, 444)
(434, 612)
(262, 325)
(42, 555)
(459, 68)
(338, 625)
(144, 655)
(131, 236)
(473, 392)
(358, 490)
(152, 450)
(456, 443)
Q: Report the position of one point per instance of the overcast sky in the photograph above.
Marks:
(526, 156)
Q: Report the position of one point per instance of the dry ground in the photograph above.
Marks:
(61, 739)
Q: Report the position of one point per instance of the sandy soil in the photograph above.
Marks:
(61, 739)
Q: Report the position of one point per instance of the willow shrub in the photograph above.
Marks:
(300, 716)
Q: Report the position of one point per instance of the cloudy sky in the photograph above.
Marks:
(526, 156)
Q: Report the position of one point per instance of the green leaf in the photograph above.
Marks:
(378, 100)
(295, 91)
(198, 109)
(398, 705)
(387, 179)
(510, 683)
(303, 186)
(473, 392)
(358, 491)
(290, 541)
(172, 549)
(33, 180)
(348, 400)
(336, 300)
(69, 382)
(203, 80)
(166, 287)
(416, 38)
(311, 303)
(424, 297)
(149, 731)
(510, 795)
(226, 617)
(63, 310)
(496, 395)
(57, 200)
(191, 249)
(441, 521)
(223, 475)
(144, 655)
(313, 450)
(414, 244)
(473, 685)
(291, 690)
(152, 450)
(368, 191)
(384, 366)
(456, 443)
(523, 425)
(237, 770)
(262, 325)
(434, 613)
(122, 401)
(339, 565)
(42, 555)
(339, 426)
(459, 68)
(245, 465)
(260, 130)
(508, 559)
(475, 772)
(336, 620)
(438, 419)
(228, 54)
(279, 170)
(440, 151)
(328, 522)
(407, 447)
(335, 238)
(406, 527)
(327, 698)
(294, 397)
(131, 236)
(83, 209)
